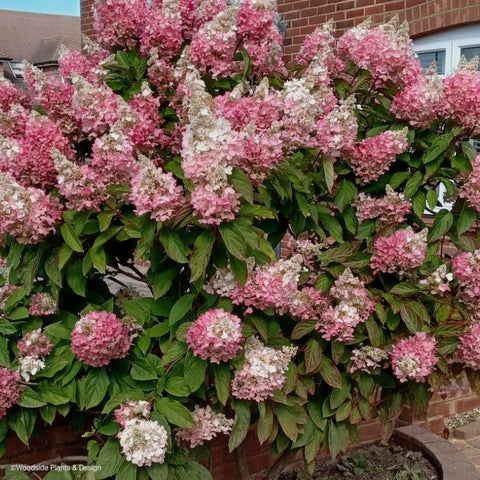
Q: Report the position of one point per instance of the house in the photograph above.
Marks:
(37, 38)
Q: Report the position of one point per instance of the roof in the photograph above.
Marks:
(37, 37)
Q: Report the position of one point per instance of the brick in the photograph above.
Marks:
(391, 7)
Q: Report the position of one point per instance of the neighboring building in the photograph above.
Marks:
(424, 16)
(35, 37)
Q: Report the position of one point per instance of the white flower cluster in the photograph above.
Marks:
(143, 442)
(367, 358)
(30, 366)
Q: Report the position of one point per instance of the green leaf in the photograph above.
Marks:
(415, 315)
(466, 219)
(173, 245)
(174, 412)
(52, 268)
(332, 225)
(242, 184)
(64, 255)
(338, 438)
(161, 281)
(194, 371)
(330, 373)
(241, 425)
(404, 289)
(75, 278)
(22, 422)
(345, 194)
(180, 308)
(432, 199)
(313, 356)
(109, 459)
(222, 376)
(127, 471)
(4, 352)
(196, 471)
(70, 238)
(30, 399)
(419, 203)
(234, 240)
(442, 223)
(177, 386)
(287, 421)
(303, 328)
(329, 172)
(159, 471)
(439, 146)
(265, 422)
(339, 395)
(96, 385)
(7, 328)
(17, 474)
(200, 256)
(413, 184)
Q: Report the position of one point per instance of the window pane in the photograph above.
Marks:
(470, 52)
(426, 59)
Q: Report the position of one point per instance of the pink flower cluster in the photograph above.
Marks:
(210, 150)
(386, 51)
(400, 252)
(373, 156)
(470, 190)
(155, 191)
(99, 337)
(392, 208)
(260, 36)
(353, 307)
(207, 425)
(469, 347)
(26, 155)
(35, 343)
(26, 213)
(32, 350)
(263, 371)
(466, 267)
(120, 22)
(215, 335)
(420, 102)
(9, 390)
(132, 409)
(414, 357)
(462, 97)
(42, 304)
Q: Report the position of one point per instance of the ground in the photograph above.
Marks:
(375, 462)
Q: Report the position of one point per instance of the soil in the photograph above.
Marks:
(375, 462)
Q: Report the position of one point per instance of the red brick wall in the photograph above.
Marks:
(86, 13)
(424, 16)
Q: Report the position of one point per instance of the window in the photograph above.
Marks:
(448, 47)
(426, 59)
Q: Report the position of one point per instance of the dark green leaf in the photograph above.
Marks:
(313, 356)
(241, 426)
(242, 184)
(345, 194)
(442, 223)
(200, 256)
(222, 376)
(174, 412)
(181, 307)
(330, 373)
(71, 239)
(173, 245)
(109, 459)
(234, 240)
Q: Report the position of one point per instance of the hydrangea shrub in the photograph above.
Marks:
(142, 197)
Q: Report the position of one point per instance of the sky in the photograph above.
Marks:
(59, 7)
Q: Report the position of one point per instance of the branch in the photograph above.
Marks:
(279, 466)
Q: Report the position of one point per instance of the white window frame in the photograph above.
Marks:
(451, 41)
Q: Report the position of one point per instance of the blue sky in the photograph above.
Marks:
(60, 7)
